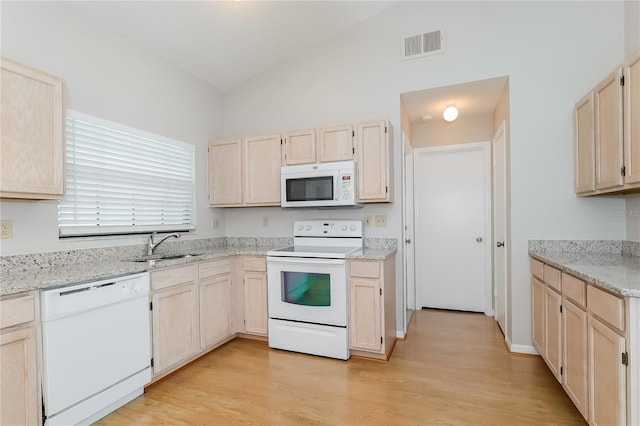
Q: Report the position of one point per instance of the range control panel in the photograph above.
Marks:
(328, 228)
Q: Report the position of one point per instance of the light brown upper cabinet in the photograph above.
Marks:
(607, 128)
(32, 141)
(374, 153)
(299, 147)
(245, 172)
(585, 146)
(335, 144)
(632, 121)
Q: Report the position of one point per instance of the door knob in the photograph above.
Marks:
(479, 239)
(407, 241)
(499, 244)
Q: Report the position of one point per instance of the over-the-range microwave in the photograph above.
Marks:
(323, 185)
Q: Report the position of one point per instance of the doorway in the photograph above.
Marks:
(452, 204)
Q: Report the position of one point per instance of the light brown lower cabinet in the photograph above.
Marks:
(600, 340)
(574, 374)
(20, 382)
(372, 322)
(174, 316)
(256, 314)
(215, 302)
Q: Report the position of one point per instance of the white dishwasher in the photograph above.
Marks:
(96, 348)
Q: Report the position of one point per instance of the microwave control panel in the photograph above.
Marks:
(346, 186)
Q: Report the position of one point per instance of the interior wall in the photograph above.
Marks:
(632, 214)
(359, 75)
(111, 78)
(441, 133)
(631, 28)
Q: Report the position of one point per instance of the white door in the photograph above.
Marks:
(408, 231)
(453, 229)
(500, 229)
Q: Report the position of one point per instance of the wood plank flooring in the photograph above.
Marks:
(453, 369)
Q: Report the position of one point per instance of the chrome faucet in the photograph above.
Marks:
(151, 246)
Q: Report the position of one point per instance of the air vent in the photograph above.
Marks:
(421, 45)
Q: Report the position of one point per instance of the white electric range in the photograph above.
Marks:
(307, 288)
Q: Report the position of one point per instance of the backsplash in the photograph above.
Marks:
(586, 246)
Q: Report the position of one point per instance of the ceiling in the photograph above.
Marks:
(474, 98)
(224, 43)
(227, 42)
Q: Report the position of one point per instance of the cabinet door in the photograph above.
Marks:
(256, 315)
(632, 121)
(19, 395)
(365, 322)
(585, 146)
(372, 151)
(607, 387)
(300, 147)
(32, 141)
(574, 375)
(215, 310)
(225, 173)
(609, 147)
(538, 291)
(175, 325)
(335, 144)
(553, 335)
(262, 163)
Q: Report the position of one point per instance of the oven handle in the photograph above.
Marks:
(306, 260)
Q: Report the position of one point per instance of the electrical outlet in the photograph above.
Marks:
(265, 221)
(381, 220)
(6, 229)
(215, 224)
(367, 220)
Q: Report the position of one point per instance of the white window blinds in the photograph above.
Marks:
(121, 180)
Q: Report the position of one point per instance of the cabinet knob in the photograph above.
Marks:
(479, 239)
(407, 241)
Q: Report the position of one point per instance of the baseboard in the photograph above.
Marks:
(400, 334)
(523, 349)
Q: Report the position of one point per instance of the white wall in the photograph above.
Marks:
(111, 78)
(463, 130)
(631, 28)
(632, 213)
(548, 55)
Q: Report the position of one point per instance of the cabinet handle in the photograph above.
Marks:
(499, 244)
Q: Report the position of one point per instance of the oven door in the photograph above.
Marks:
(308, 290)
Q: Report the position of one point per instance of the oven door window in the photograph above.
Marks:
(310, 189)
(306, 289)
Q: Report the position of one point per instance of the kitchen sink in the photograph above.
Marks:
(158, 257)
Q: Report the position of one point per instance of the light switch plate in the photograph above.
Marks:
(367, 220)
(215, 224)
(265, 221)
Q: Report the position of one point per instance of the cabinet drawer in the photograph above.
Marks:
(173, 276)
(606, 306)
(214, 267)
(536, 269)
(18, 310)
(258, 264)
(574, 289)
(365, 269)
(552, 277)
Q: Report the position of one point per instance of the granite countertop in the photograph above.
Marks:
(617, 273)
(57, 276)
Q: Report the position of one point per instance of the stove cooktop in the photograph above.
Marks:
(314, 251)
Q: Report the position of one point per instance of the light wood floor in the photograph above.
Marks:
(453, 369)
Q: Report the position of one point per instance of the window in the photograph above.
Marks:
(121, 180)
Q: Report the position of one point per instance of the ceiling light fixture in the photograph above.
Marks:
(450, 113)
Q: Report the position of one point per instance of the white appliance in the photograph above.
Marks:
(96, 348)
(319, 185)
(308, 295)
